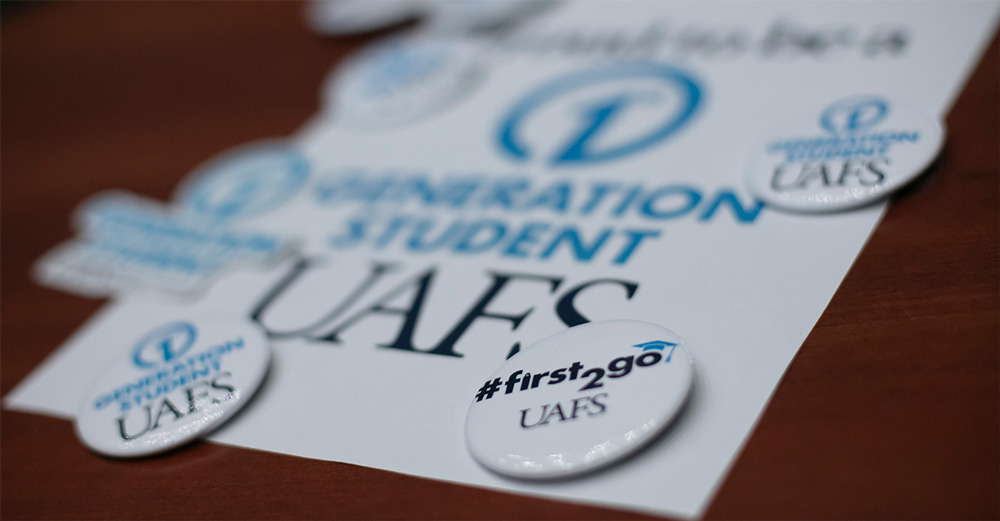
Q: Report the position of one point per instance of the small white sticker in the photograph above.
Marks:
(172, 384)
(851, 153)
(128, 243)
(579, 400)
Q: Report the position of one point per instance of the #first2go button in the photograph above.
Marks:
(579, 400)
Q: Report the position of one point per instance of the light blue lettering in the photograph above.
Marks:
(418, 241)
(527, 236)
(634, 238)
(554, 198)
(746, 214)
(571, 236)
(505, 193)
(467, 243)
(690, 197)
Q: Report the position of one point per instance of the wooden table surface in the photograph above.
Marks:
(890, 410)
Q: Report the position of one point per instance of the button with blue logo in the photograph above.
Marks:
(849, 153)
(249, 181)
(402, 81)
(580, 400)
(176, 382)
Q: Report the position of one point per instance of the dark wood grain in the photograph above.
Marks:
(890, 410)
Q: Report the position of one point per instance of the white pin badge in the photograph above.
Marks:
(853, 152)
(481, 15)
(401, 81)
(579, 400)
(347, 17)
(177, 382)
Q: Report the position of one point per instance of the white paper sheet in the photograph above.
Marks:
(744, 292)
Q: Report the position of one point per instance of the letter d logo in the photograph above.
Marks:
(614, 111)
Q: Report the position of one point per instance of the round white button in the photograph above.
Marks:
(847, 154)
(480, 15)
(179, 380)
(579, 400)
(401, 81)
(346, 17)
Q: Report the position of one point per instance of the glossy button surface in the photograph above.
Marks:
(579, 400)
(402, 80)
(173, 384)
(347, 17)
(850, 153)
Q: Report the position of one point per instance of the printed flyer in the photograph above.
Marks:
(459, 199)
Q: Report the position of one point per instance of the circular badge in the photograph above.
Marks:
(178, 381)
(402, 81)
(347, 17)
(579, 400)
(466, 16)
(848, 154)
(246, 182)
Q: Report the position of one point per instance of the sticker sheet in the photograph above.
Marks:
(458, 199)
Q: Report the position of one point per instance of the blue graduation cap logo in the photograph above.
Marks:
(659, 345)
(655, 344)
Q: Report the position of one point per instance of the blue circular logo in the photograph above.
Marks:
(164, 344)
(402, 81)
(854, 115)
(399, 66)
(605, 96)
(245, 183)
